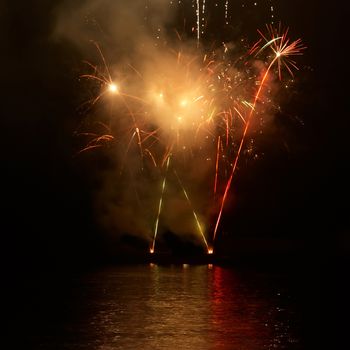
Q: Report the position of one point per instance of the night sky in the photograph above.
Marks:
(297, 194)
(294, 192)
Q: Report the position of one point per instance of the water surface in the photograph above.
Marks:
(174, 307)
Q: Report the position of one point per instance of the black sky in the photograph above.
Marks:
(47, 204)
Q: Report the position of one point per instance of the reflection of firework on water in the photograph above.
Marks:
(188, 110)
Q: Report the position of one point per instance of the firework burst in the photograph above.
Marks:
(188, 113)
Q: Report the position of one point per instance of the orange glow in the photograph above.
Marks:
(183, 103)
(113, 88)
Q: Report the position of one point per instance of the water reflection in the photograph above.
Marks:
(238, 317)
(177, 307)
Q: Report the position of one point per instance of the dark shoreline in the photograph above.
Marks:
(260, 261)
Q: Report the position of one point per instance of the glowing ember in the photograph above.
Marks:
(113, 88)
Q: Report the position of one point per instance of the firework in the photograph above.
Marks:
(193, 108)
(282, 51)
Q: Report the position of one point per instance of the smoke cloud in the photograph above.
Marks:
(171, 122)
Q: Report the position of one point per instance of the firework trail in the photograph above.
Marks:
(193, 212)
(217, 165)
(198, 21)
(282, 51)
(226, 11)
(160, 207)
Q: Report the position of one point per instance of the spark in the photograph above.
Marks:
(282, 48)
(113, 88)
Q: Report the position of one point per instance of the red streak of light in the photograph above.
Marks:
(217, 164)
(227, 128)
(234, 167)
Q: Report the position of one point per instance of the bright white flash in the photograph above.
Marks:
(113, 88)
